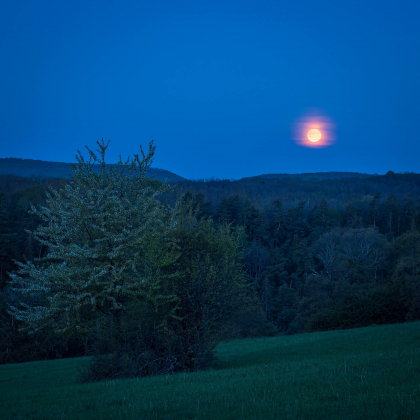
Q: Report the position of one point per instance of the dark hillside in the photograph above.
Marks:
(309, 175)
(293, 190)
(40, 169)
(13, 183)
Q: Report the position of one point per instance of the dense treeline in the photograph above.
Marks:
(312, 175)
(324, 253)
(291, 191)
(318, 254)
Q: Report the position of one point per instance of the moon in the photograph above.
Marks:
(314, 130)
(314, 135)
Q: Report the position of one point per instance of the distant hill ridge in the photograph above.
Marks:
(45, 169)
(312, 175)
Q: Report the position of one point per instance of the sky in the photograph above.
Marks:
(218, 85)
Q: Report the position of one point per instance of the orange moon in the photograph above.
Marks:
(314, 135)
(313, 130)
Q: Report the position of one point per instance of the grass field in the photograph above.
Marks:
(366, 373)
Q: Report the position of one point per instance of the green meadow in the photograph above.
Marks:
(365, 373)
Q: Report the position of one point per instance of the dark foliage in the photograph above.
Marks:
(319, 253)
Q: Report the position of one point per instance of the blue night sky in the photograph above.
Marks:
(217, 85)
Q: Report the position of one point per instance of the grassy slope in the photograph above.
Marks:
(366, 373)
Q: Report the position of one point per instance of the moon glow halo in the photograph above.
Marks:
(315, 131)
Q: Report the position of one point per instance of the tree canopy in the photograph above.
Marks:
(146, 284)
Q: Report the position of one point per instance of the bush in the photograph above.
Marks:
(207, 287)
(248, 322)
(381, 305)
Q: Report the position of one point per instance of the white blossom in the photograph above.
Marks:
(98, 234)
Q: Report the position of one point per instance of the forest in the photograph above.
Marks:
(315, 253)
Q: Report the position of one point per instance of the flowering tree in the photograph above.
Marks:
(108, 240)
(147, 286)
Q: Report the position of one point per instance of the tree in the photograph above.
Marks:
(107, 237)
(406, 273)
(327, 249)
(374, 208)
(8, 239)
(201, 208)
(148, 286)
(284, 307)
(229, 210)
(210, 285)
(277, 223)
(351, 254)
(365, 250)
